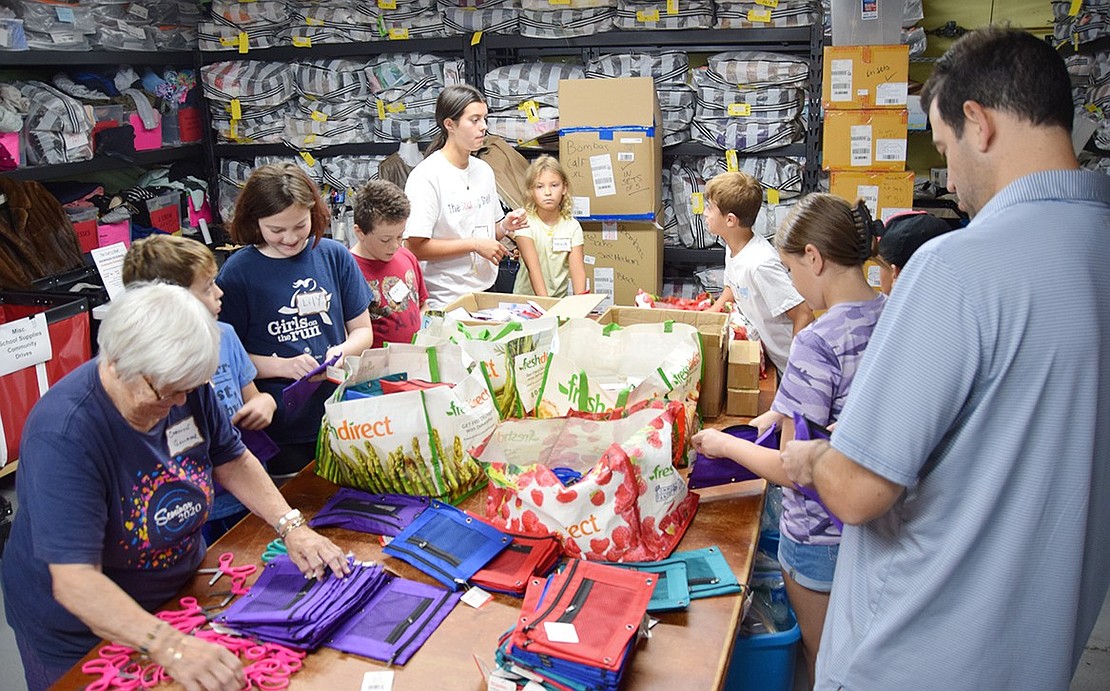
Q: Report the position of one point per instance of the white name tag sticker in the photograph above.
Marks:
(399, 292)
(312, 303)
(183, 436)
(560, 244)
(560, 632)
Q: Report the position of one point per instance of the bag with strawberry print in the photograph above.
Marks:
(607, 488)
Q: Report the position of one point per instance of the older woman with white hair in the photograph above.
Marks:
(115, 480)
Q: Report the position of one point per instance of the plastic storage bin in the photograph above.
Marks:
(84, 225)
(165, 212)
(764, 662)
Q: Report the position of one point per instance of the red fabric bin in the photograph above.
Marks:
(67, 322)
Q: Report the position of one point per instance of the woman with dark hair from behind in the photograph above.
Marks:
(456, 221)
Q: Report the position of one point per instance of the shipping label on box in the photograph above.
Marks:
(885, 194)
(611, 147)
(864, 140)
(621, 258)
(865, 77)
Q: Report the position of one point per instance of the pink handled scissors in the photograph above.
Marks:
(268, 674)
(112, 675)
(239, 574)
(189, 618)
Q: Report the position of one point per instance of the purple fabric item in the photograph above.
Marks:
(297, 394)
(284, 607)
(380, 514)
(805, 431)
(259, 444)
(396, 621)
(709, 472)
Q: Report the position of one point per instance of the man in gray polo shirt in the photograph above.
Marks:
(972, 458)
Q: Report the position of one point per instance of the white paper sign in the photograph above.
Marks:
(24, 343)
(109, 262)
(601, 167)
(377, 681)
(580, 207)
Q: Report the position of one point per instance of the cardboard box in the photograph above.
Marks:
(621, 258)
(744, 358)
(712, 329)
(865, 77)
(742, 402)
(884, 193)
(611, 146)
(565, 308)
(864, 140)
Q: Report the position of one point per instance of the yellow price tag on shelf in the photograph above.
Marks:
(398, 33)
(244, 42)
(767, 3)
(318, 116)
(234, 130)
(309, 138)
(531, 110)
(739, 110)
(302, 42)
(672, 6)
(647, 16)
(398, 107)
(236, 109)
(387, 4)
(381, 109)
(759, 16)
(228, 41)
(1075, 6)
(308, 158)
(697, 203)
(772, 195)
(731, 160)
(313, 21)
(476, 38)
(558, 2)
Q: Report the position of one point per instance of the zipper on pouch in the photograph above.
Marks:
(576, 603)
(540, 617)
(419, 556)
(407, 621)
(433, 550)
(413, 633)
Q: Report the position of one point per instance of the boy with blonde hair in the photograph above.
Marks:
(190, 264)
(755, 279)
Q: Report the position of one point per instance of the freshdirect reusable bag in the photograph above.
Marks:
(630, 504)
(596, 368)
(494, 349)
(412, 442)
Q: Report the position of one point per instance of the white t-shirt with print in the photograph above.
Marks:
(764, 293)
(449, 203)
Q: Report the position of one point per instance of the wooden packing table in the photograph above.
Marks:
(688, 650)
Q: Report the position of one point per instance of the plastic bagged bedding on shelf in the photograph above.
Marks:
(566, 23)
(637, 15)
(751, 14)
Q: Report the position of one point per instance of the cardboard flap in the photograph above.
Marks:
(576, 306)
(607, 102)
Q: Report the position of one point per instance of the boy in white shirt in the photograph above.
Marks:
(755, 279)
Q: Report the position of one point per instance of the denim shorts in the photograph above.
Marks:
(811, 566)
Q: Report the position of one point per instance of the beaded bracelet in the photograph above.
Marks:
(291, 526)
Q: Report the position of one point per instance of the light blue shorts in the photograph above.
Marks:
(811, 566)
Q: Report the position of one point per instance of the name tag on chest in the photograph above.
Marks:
(312, 303)
(560, 244)
(183, 436)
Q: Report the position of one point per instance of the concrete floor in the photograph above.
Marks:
(1093, 673)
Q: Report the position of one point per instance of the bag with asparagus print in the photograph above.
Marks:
(404, 422)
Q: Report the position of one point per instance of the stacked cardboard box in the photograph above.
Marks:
(864, 98)
(743, 379)
(610, 144)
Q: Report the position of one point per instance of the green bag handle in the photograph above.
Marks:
(668, 326)
(610, 328)
(583, 391)
(433, 363)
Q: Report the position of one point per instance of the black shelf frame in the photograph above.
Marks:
(102, 163)
(37, 59)
(685, 255)
(354, 49)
